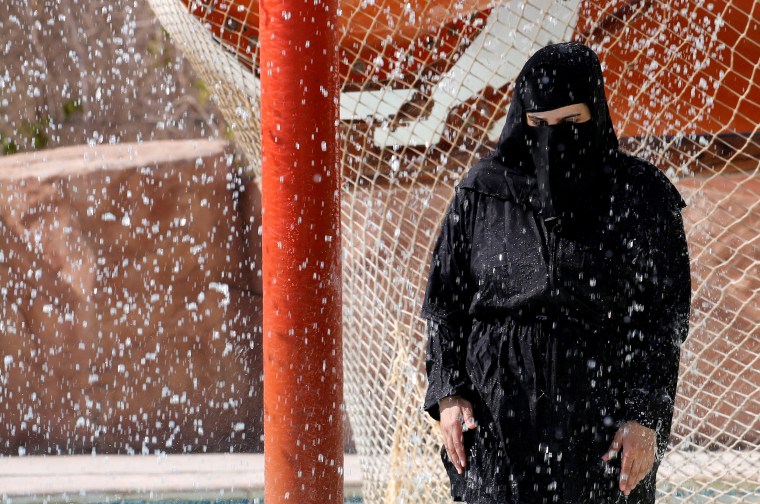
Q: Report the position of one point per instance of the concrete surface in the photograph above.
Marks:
(111, 478)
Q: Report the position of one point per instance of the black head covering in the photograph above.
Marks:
(563, 170)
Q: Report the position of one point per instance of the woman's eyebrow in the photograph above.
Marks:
(543, 118)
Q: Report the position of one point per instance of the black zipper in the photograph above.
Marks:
(551, 248)
(542, 234)
(556, 249)
(552, 260)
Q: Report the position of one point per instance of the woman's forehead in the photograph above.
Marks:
(575, 108)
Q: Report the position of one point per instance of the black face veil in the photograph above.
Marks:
(567, 164)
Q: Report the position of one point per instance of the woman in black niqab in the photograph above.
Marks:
(570, 162)
(557, 300)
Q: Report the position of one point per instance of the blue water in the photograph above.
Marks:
(733, 496)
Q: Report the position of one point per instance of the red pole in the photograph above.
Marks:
(303, 369)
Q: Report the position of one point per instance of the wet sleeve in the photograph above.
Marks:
(660, 323)
(446, 303)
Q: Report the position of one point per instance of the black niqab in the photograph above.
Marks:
(570, 182)
(563, 170)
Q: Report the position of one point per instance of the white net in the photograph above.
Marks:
(222, 67)
(425, 91)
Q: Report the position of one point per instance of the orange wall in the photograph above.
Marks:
(704, 62)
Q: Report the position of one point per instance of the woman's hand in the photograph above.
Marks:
(455, 413)
(638, 444)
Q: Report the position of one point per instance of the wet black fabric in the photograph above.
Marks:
(567, 158)
(570, 181)
(558, 331)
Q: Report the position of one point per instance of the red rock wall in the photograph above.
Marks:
(719, 397)
(130, 313)
(129, 304)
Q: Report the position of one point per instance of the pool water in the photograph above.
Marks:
(743, 496)
(748, 496)
(712, 495)
(681, 495)
(350, 497)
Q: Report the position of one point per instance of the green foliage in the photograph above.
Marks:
(31, 133)
(7, 146)
(72, 107)
(161, 49)
(203, 93)
(229, 133)
(36, 132)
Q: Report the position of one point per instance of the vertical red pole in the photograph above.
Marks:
(303, 370)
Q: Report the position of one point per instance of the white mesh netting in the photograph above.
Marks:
(425, 90)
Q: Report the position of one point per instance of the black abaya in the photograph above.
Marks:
(558, 327)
